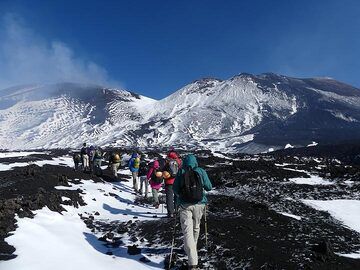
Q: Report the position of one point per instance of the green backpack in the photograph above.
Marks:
(137, 163)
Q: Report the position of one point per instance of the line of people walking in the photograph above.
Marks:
(154, 175)
(184, 183)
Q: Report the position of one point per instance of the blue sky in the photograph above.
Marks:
(156, 47)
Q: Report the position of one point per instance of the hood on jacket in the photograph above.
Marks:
(156, 164)
(190, 161)
(172, 155)
(134, 155)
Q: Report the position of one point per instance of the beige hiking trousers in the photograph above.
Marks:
(190, 217)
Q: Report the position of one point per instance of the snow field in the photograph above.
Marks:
(62, 241)
(61, 161)
(346, 211)
(313, 180)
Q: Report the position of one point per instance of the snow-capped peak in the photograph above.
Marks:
(244, 113)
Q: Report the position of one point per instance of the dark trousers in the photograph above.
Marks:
(169, 199)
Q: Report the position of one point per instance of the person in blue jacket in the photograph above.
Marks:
(191, 207)
(134, 164)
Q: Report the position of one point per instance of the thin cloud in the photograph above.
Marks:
(26, 57)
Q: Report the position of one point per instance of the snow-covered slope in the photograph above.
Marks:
(215, 114)
(65, 115)
(245, 113)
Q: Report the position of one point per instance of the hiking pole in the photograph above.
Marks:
(206, 229)
(173, 242)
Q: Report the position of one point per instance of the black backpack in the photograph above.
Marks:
(143, 168)
(154, 178)
(192, 188)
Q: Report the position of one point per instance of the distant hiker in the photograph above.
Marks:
(77, 160)
(114, 163)
(91, 153)
(97, 158)
(134, 164)
(189, 186)
(85, 157)
(155, 176)
(171, 168)
(143, 170)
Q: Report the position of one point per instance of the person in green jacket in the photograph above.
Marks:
(191, 210)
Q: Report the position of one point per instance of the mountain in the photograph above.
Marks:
(65, 115)
(246, 113)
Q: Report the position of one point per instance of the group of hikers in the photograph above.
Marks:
(90, 159)
(184, 182)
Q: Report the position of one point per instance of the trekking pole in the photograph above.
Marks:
(173, 242)
(206, 229)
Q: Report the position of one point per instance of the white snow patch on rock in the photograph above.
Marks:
(312, 144)
(290, 215)
(288, 146)
(19, 154)
(346, 211)
(313, 180)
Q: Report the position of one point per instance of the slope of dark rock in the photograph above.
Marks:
(246, 229)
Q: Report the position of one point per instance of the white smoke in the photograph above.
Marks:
(26, 58)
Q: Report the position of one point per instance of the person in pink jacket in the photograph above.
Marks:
(156, 180)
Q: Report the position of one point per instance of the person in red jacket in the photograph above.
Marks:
(171, 168)
(155, 178)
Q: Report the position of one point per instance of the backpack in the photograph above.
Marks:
(154, 178)
(192, 186)
(136, 163)
(173, 167)
(97, 154)
(77, 157)
(115, 157)
(143, 168)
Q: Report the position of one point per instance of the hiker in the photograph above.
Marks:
(85, 157)
(171, 168)
(189, 186)
(114, 163)
(97, 158)
(91, 153)
(77, 160)
(143, 169)
(155, 176)
(133, 164)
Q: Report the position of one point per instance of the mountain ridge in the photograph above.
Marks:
(245, 113)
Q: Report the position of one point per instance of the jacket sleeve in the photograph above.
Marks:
(130, 162)
(177, 184)
(148, 176)
(207, 183)
(179, 163)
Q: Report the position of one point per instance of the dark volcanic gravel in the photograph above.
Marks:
(245, 229)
